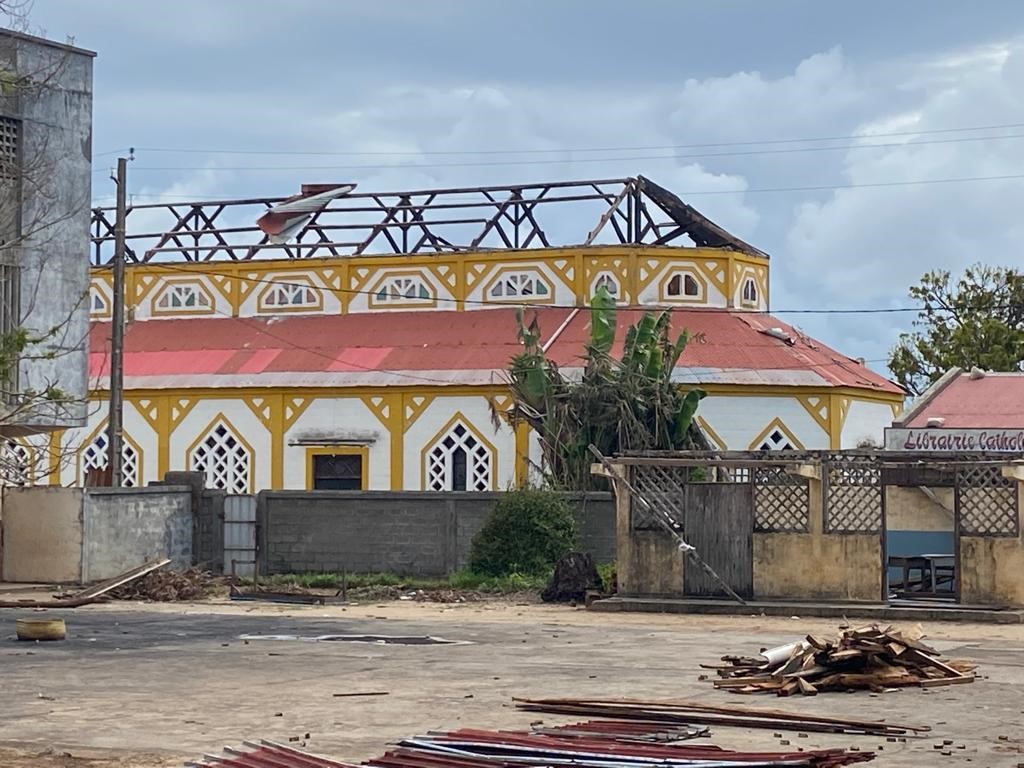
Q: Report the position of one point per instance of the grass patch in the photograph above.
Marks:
(461, 580)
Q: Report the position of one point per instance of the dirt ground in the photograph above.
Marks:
(141, 685)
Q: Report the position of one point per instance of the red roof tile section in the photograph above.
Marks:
(994, 401)
(725, 345)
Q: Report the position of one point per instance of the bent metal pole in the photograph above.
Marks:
(663, 519)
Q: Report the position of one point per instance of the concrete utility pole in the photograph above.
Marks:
(115, 421)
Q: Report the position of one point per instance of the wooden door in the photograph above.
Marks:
(719, 523)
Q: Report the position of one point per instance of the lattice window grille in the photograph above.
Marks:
(459, 451)
(10, 134)
(664, 488)
(782, 501)
(95, 457)
(520, 285)
(987, 502)
(854, 496)
(291, 295)
(609, 283)
(15, 464)
(682, 285)
(224, 460)
(399, 290)
(183, 296)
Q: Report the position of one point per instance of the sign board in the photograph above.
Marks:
(932, 440)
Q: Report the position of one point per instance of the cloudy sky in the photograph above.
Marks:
(935, 86)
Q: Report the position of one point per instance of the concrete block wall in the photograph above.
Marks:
(125, 527)
(62, 535)
(409, 533)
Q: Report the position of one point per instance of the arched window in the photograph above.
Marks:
(609, 283)
(15, 464)
(682, 285)
(749, 291)
(292, 295)
(525, 285)
(403, 289)
(459, 461)
(182, 297)
(224, 459)
(94, 456)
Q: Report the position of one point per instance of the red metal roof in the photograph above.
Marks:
(449, 347)
(994, 401)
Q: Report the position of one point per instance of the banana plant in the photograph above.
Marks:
(625, 404)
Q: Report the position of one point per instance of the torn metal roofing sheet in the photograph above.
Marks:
(451, 348)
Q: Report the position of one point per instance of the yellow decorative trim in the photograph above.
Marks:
(897, 408)
(294, 407)
(263, 408)
(339, 450)
(715, 270)
(819, 407)
(522, 432)
(149, 409)
(205, 432)
(381, 407)
(565, 269)
(710, 433)
(775, 424)
(413, 408)
(457, 419)
(54, 453)
(179, 408)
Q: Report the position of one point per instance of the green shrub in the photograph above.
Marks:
(526, 534)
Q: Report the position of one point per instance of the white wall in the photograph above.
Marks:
(339, 420)
(476, 411)
(739, 420)
(245, 425)
(866, 420)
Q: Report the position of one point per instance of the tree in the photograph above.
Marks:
(978, 320)
(617, 405)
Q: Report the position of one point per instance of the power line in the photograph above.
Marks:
(262, 329)
(647, 148)
(527, 305)
(734, 191)
(575, 160)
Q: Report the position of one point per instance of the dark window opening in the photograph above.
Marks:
(338, 472)
(459, 469)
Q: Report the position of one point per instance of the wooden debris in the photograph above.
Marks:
(870, 657)
(672, 712)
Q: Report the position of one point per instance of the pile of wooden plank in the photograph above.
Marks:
(871, 657)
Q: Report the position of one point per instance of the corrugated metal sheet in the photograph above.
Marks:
(446, 347)
(994, 401)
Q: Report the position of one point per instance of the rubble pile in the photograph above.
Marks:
(165, 586)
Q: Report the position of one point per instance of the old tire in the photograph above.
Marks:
(41, 629)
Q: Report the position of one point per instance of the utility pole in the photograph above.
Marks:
(115, 421)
